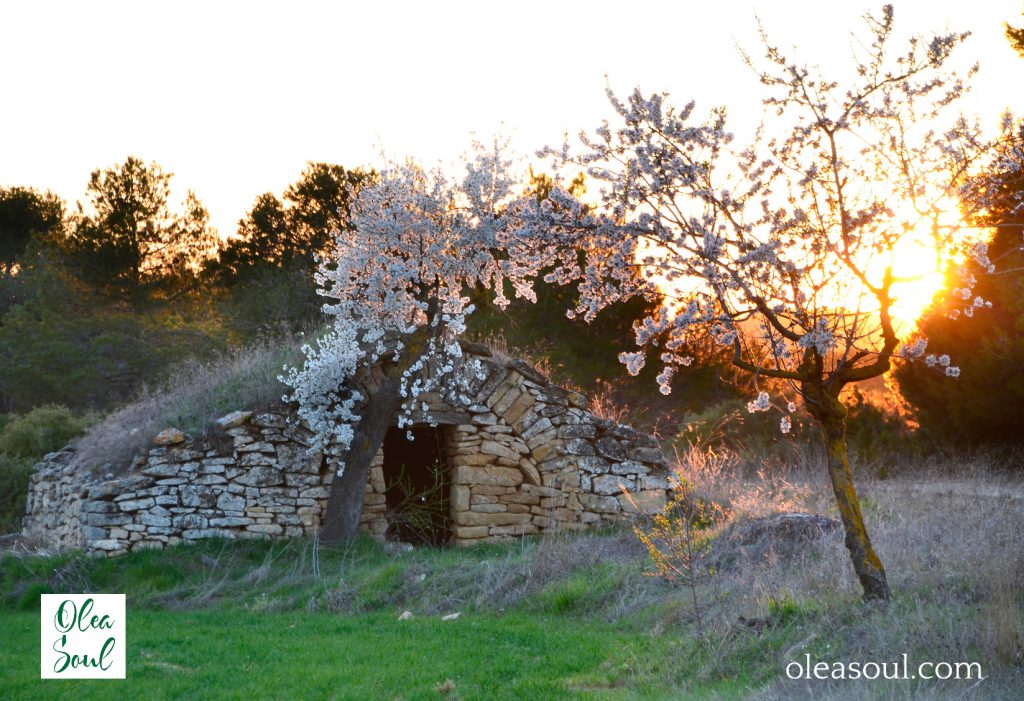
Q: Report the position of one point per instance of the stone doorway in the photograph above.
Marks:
(417, 483)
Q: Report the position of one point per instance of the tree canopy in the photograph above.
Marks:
(129, 242)
(279, 235)
(1015, 35)
(982, 332)
(787, 248)
(24, 212)
(396, 284)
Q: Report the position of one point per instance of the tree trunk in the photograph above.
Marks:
(345, 502)
(830, 414)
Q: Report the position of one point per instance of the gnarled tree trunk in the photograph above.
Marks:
(830, 415)
(345, 502)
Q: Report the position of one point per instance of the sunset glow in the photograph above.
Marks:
(235, 99)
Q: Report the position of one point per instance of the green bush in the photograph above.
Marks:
(873, 432)
(43, 430)
(24, 440)
(14, 475)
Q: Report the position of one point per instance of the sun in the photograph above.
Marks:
(919, 259)
(925, 246)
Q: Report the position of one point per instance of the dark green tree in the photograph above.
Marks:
(24, 212)
(129, 243)
(267, 267)
(280, 235)
(985, 404)
(263, 241)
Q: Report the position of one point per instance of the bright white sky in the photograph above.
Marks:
(235, 98)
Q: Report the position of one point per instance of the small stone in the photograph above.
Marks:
(607, 485)
(406, 616)
(235, 418)
(189, 522)
(169, 436)
(530, 474)
(230, 522)
(499, 449)
(610, 448)
(650, 455)
(451, 616)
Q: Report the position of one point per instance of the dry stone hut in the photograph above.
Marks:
(525, 457)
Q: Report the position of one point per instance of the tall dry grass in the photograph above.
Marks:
(947, 528)
(193, 397)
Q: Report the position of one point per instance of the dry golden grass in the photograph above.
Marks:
(949, 533)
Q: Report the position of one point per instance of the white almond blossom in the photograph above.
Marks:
(418, 242)
(786, 247)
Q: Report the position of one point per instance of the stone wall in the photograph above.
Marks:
(525, 457)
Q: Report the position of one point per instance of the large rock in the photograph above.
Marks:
(784, 536)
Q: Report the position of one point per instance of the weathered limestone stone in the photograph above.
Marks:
(472, 459)
(644, 502)
(593, 502)
(524, 457)
(530, 473)
(654, 482)
(162, 470)
(189, 521)
(498, 476)
(269, 529)
(610, 448)
(470, 532)
(460, 498)
(230, 521)
(235, 418)
(473, 518)
(500, 450)
(261, 476)
(593, 464)
(611, 484)
(169, 436)
(522, 529)
(203, 533)
(629, 467)
(651, 455)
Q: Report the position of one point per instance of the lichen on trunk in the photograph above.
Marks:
(830, 414)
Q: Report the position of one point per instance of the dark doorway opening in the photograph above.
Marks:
(417, 486)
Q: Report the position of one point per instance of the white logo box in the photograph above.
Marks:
(82, 636)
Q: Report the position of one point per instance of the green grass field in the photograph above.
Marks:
(239, 655)
(567, 616)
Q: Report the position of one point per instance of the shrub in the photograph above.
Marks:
(41, 431)
(14, 476)
(876, 433)
(24, 440)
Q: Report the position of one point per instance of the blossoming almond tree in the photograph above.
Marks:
(395, 285)
(788, 250)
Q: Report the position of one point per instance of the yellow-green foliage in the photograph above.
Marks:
(42, 430)
(24, 440)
